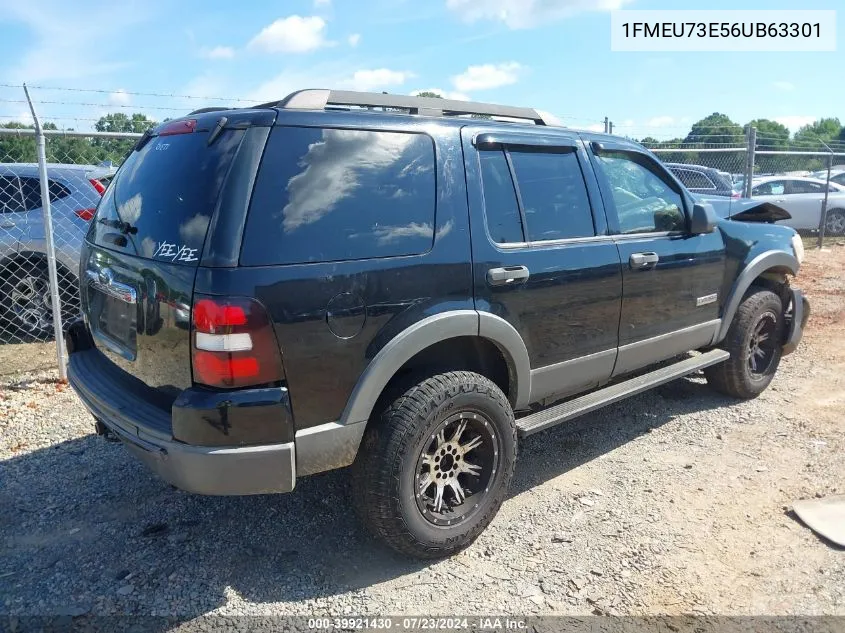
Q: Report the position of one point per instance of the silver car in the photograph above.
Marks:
(75, 191)
(803, 198)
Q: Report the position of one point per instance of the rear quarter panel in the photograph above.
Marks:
(370, 300)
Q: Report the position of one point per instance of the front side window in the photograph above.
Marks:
(327, 195)
(771, 188)
(645, 202)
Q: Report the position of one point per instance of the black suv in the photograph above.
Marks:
(391, 283)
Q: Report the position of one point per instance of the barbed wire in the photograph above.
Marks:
(130, 93)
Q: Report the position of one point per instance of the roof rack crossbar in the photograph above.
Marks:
(318, 99)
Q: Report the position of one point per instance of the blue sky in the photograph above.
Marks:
(551, 54)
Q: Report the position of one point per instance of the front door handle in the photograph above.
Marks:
(643, 260)
(507, 275)
(7, 225)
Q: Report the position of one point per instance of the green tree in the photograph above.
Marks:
(116, 150)
(17, 149)
(429, 93)
(824, 129)
(716, 128)
(771, 135)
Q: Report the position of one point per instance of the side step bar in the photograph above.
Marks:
(553, 416)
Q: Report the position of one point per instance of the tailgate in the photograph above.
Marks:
(146, 241)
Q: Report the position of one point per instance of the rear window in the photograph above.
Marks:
(159, 204)
(330, 195)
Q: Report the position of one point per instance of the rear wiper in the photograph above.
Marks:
(217, 130)
(123, 227)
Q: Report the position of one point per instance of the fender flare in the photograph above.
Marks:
(422, 334)
(756, 267)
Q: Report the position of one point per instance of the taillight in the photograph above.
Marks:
(100, 187)
(736, 195)
(184, 126)
(85, 214)
(233, 344)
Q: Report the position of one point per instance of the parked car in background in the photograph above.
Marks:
(803, 199)
(704, 180)
(837, 175)
(75, 191)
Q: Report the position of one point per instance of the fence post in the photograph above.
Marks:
(48, 239)
(823, 218)
(751, 144)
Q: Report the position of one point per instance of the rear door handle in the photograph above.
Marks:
(643, 260)
(507, 275)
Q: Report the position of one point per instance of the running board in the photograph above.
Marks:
(597, 399)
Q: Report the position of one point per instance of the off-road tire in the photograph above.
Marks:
(384, 482)
(735, 377)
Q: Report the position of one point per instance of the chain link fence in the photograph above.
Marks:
(75, 168)
(79, 167)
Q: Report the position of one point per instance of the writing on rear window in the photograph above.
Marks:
(175, 252)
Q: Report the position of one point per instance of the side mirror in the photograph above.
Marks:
(704, 218)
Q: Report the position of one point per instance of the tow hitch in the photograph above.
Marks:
(105, 432)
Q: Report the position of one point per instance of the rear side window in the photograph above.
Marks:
(331, 195)
(500, 204)
(552, 192)
(694, 179)
(10, 195)
(32, 192)
(159, 204)
(554, 196)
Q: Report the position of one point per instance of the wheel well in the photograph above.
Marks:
(13, 262)
(774, 279)
(468, 353)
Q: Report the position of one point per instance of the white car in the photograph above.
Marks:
(803, 199)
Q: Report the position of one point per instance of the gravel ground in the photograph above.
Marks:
(677, 501)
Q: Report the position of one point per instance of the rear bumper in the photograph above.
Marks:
(800, 314)
(147, 431)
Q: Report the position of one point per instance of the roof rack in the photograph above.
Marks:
(318, 99)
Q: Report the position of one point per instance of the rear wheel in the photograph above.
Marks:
(755, 342)
(834, 223)
(27, 302)
(434, 468)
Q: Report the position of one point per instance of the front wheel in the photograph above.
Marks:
(434, 468)
(834, 223)
(755, 342)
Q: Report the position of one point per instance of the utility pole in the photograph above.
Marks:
(611, 127)
(606, 125)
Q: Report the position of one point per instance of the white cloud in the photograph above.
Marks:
(521, 14)
(784, 86)
(596, 127)
(119, 97)
(487, 76)
(322, 3)
(660, 121)
(376, 78)
(795, 122)
(293, 34)
(446, 94)
(354, 39)
(218, 52)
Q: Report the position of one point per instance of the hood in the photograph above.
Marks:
(745, 209)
